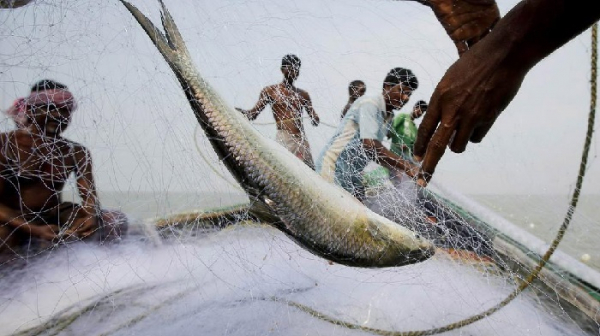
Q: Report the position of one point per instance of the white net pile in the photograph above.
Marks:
(136, 152)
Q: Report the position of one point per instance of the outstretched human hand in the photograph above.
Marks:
(465, 104)
(465, 21)
(82, 227)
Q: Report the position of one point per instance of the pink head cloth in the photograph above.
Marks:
(58, 97)
(17, 111)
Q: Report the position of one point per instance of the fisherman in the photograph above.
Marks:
(17, 110)
(402, 133)
(35, 163)
(287, 103)
(358, 139)
(403, 130)
(356, 89)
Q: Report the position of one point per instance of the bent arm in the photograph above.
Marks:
(383, 156)
(263, 100)
(14, 219)
(482, 83)
(8, 215)
(345, 110)
(536, 28)
(307, 103)
(86, 220)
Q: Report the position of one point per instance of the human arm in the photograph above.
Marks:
(14, 219)
(372, 127)
(465, 21)
(377, 152)
(481, 84)
(263, 100)
(345, 110)
(307, 103)
(86, 221)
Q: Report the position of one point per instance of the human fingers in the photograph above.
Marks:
(435, 151)
(87, 225)
(461, 47)
(79, 226)
(427, 128)
(48, 232)
(480, 132)
(87, 233)
(461, 136)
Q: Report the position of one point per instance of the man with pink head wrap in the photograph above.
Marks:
(35, 163)
(17, 110)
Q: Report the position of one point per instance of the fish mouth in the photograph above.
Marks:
(417, 256)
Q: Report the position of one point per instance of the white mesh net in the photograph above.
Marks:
(194, 259)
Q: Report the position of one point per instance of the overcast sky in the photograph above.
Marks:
(140, 129)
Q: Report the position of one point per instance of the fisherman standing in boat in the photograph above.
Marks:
(287, 102)
(356, 89)
(358, 139)
(35, 163)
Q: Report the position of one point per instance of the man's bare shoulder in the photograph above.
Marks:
(270, 89)
(304, 94)
(78, 150)
(13, 136)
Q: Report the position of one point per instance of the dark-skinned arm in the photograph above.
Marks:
(86, 221)
(383, 156)
(263, 100)
(465, 21)
(307, 103)
(481, 84)
(345, 110)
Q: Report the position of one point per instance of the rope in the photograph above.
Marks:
(533, 275)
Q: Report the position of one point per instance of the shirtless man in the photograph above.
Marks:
(35, 163)
(287, 102)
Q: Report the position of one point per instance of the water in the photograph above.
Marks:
(542, 215)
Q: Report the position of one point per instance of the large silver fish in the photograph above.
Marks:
(320, 216)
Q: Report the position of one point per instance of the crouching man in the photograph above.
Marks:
(35, 163)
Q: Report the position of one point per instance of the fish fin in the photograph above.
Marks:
(172, 33)
(158, 38)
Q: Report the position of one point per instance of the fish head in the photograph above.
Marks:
(399, 245)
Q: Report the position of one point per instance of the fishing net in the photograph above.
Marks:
(197, 259)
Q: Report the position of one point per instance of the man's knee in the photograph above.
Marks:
(113, 225)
